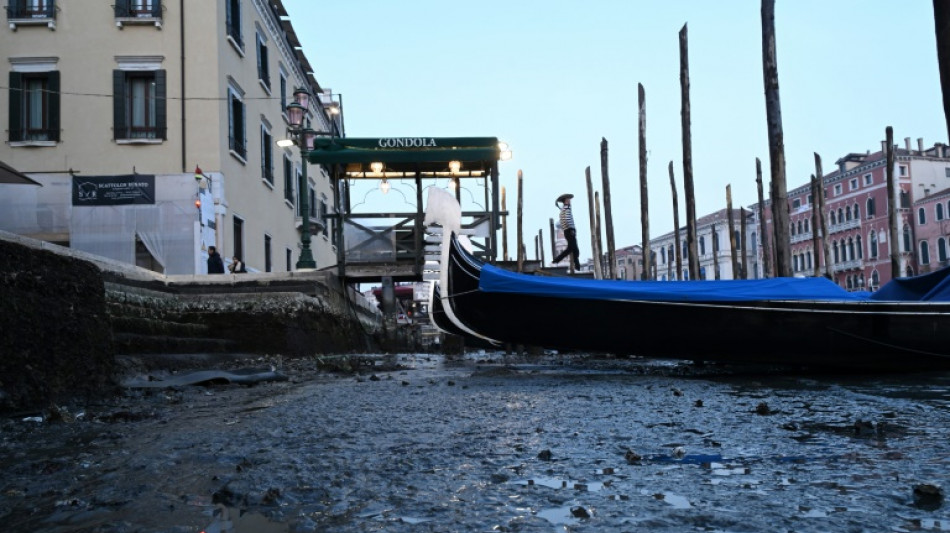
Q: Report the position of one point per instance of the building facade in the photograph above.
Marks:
(714, 246)
(153, 131)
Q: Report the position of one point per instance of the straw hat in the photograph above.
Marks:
(563, 197)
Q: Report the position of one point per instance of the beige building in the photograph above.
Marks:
(113, 104)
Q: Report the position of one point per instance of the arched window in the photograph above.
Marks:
(808, 263)
(754, 241)
(924, 253)
(807, 226)
(791, 228)
(850, 284)
(875, 279)
(847, 213)
(870, 208)
(840, 216)
(860, 249)
(872, 244)
(941, 249)
(702, 245)
(850, 249)
(938, 211)
(795, 263)
(831, 216)
(715, 241)
(921, 216)
(800, 226)
(663, 256)
(834, 246)
(857, 212)
(738, 237)
(906, 238)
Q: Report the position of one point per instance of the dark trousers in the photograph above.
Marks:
(571, 236)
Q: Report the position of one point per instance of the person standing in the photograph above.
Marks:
(215, 263)
(237, 266)
(566, 218)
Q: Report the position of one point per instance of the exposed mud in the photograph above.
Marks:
(491, 444)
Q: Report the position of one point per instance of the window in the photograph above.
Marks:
(904, 199)
(870, 208)
(237, 137)
(267, 254)
(857, 244)
(283, 91)
(796, 203)
(233, 23)
(868, 179)
(906, 234)
(857, 212)
(288, 179)
(946, 171)
(853, 184)
(834, 246)
(239, 238)
(847, 213)
(267, 155)
(807, 226)
(263, 68)
(902, 171)
(702, 245)
(138, 9)
(139, 104)
(924, 253)
(938, 212)
(837, 189)
(288, 258)
(31, 9)
(851, 254)
(921, 216)
(832, 217)
(34, 106)
(942, 249)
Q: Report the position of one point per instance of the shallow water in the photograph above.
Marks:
(492, 444)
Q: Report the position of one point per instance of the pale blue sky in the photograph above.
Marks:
(552, 78)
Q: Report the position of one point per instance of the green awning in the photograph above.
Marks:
(345, 150)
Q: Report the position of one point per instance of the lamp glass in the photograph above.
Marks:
(455, 166)
(376, 167)
(308, 137)
(302, 97)
(295, 114)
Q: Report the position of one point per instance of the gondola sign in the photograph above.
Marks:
(131, 189)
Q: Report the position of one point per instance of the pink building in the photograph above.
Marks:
(932, 224)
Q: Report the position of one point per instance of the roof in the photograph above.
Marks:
(9, 174)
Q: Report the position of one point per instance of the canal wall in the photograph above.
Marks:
(71, 323)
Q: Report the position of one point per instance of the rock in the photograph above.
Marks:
(677, 392)
(579, 512)
(374, 377)
(864, 428)
(928, 496)
(545, 455)
(762, 409)
(699, 403)
(632, 457)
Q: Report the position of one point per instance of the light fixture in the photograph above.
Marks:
(198, 173)
(302, 97)
(295, 114)
(285, 143)
(455, 166)
(504, 153)
(384, 186)
(376, 167)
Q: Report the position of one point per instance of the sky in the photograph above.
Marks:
(553, 78)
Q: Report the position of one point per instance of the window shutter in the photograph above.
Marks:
(54, 96)
(244, 130)
(157, 9)
(16, 103)
(121, 8)
(118, 105)
(161, 108)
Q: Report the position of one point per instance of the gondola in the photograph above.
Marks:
(803, 322)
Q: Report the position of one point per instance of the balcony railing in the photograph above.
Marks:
(31, 13)
(846, 225)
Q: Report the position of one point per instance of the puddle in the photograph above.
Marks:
(565, 516)
(556, 483)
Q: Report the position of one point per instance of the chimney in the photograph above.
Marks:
(907, 143)
(920, 145)
(883, 147)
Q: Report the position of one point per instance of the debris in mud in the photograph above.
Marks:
(632, 457)
(928, 496)
(579, 512)
(763, 409)
(545, 455)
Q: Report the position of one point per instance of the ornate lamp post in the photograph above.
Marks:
(302, 135)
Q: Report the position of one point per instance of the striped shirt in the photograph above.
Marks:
(567, 219)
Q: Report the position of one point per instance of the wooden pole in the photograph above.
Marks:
(942, 30)
(763, 234)
(893, 202)
(678, 247)
(732, 233)
(521, 255)
(553, 232)
(504, 227)
(815, 222)
(743, 245)
(688, 157)
(773, 111)
(600, 257)
(611, 270)
(594, 227)
(644, 197)
(823, 219)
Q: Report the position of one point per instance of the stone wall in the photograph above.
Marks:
(54, 346)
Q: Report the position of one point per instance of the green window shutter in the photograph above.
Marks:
(161, 108)
(54, 96)
(16, 104)
(118, 105)
(122, 8)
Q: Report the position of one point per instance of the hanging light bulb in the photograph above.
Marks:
(376, 167)
(455, 166)
(384, 186)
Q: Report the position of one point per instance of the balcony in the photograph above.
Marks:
(846, 225)
(847, 265)
(130, 12)
(32, 14)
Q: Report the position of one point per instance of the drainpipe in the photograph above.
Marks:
(181, 30)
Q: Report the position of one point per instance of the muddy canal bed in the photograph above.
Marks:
(492, 444)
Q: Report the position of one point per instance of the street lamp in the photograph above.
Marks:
(303, 136)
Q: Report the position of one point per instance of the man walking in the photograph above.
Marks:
(563, 202)
(215, 263)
